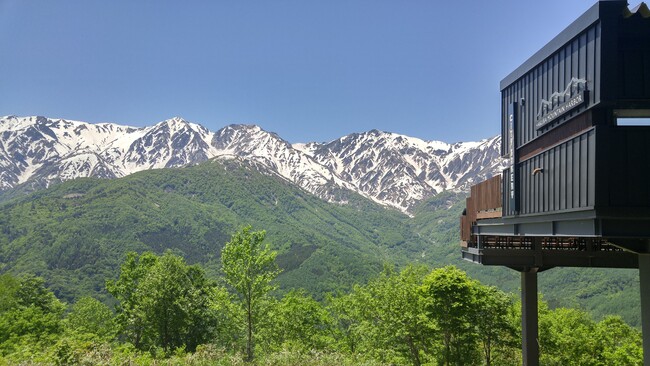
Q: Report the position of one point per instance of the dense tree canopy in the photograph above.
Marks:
(451, 300)
(163, 302)
(391, 320)
(167, 309)
(30, 316)
(92, 318)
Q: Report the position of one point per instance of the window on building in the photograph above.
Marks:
(632, 117)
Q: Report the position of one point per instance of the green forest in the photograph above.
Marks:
(169, 312)
(132, 270)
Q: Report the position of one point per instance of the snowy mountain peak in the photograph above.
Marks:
(399, 170)
(179, 124)
(389, 168)
(177, 119)
(249, 138)
(243, 127)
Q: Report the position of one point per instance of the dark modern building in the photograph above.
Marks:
(575, 128)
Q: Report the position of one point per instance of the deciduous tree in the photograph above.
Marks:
(566, 338)
(297, 322)
(90, 317)
(163, 302)
(618, 343)
(492, 317)
(30, 315)
(450, 301)
(130, 317)
(394, 314)
(249, 266)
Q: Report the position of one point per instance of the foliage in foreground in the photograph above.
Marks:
(168, 312)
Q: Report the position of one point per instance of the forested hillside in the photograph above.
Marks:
(75, 234)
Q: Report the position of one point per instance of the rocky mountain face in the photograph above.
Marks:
(391, 169)
(400, 171)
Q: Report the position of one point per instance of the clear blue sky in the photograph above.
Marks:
(308, 70)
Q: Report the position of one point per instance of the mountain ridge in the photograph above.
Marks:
(391, 169)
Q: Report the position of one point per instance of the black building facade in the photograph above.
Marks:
(577, 188)
(567, 101)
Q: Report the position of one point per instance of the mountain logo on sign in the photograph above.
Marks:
(574, 86)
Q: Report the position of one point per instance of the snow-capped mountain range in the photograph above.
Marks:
(389, 168)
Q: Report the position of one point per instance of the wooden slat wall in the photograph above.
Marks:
(488, 194)
(485, 196)
(465, 228)
(471, 209)
(467, 220)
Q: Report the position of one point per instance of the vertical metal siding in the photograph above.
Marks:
(597, 68)
(579, 58)
(505, 195)
(585, 180)
(562, 167)
(635, 74)
(566, 182)
(628, 166)
(591, 60)
(575, 161)
(646, 67)
(614, 59)
(591, 168)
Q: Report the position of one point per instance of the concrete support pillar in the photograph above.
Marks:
(644, 280)
(529, 318)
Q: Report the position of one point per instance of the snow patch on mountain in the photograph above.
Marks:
(400, 171)
(389, 168)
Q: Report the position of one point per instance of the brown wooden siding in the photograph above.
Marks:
(484, 202)
(487, 194)
(465, 227)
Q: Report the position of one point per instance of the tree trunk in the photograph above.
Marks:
(488, 352)
(415, 355)
(447, 349)
(249, 340)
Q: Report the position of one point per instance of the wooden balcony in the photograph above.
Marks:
(484, 202)
(489, 238)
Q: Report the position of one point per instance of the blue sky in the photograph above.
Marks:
(308, 70)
